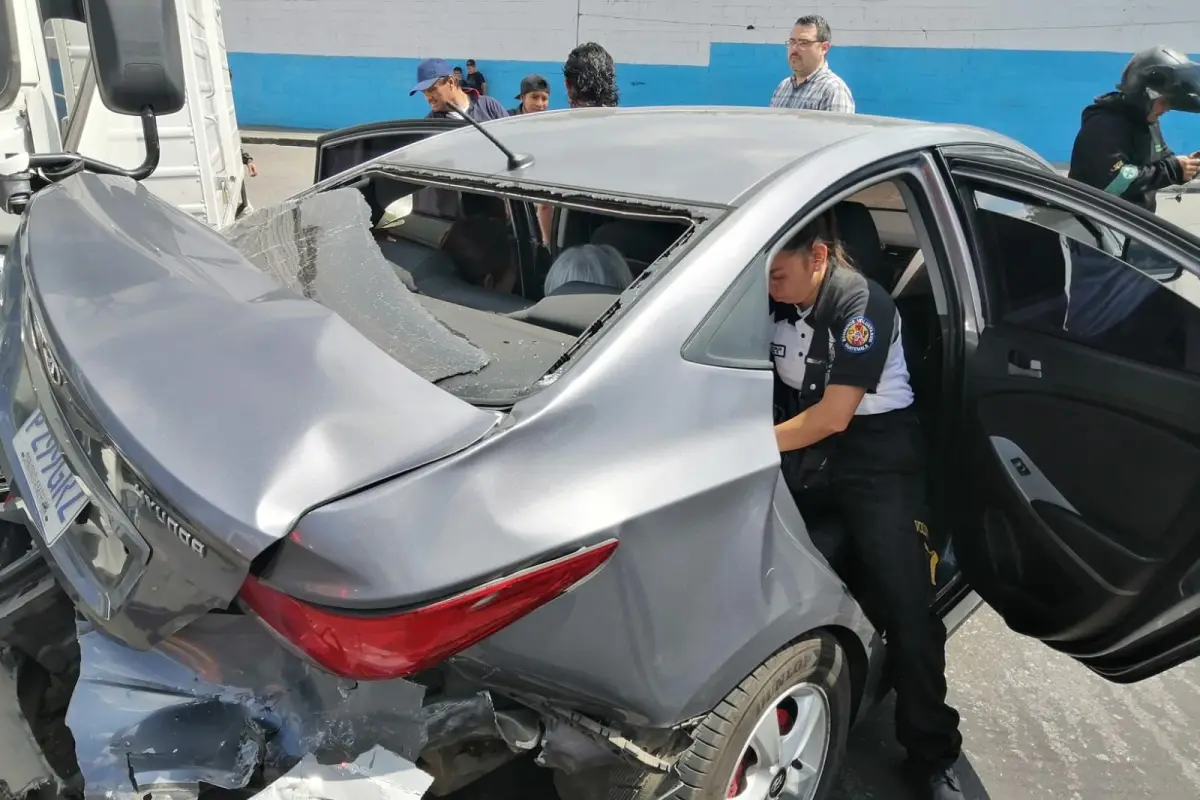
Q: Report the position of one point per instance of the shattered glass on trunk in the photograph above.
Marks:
(222, 703)
(322, 247)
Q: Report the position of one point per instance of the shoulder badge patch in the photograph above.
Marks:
(858, 335)
(778, 350)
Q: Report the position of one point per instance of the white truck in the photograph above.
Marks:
(49, 102)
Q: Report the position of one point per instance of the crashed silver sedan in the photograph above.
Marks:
(298, 507)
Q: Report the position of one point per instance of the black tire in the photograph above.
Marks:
(706, 767)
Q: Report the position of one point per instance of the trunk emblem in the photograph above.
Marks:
(170, 523)
(52, 369)
(49, 362)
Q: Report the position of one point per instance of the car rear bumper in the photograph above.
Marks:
(223, 703)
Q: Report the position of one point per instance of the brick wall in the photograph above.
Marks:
(1023, 67)
(680, 32)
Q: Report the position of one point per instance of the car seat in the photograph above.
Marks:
(859, 236)
(571, 309)
(641, 242)
(435, 274)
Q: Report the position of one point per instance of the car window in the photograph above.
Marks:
(1061, 273)
(738, 331)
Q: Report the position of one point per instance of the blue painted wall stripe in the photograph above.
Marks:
(1035, 96)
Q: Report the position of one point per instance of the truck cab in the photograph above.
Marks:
(49, 102)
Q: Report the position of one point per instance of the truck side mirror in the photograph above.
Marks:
(137, 59)
(136, 54)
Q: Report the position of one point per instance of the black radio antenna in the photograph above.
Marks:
(516, 161)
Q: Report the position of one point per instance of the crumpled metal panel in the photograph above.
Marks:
(222, 698)
(568, 749)
(321, 247)
(375, 775)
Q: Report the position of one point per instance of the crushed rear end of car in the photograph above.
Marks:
(171, 414)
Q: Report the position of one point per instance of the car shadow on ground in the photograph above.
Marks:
(871, 772)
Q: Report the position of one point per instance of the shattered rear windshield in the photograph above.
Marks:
(322, 247)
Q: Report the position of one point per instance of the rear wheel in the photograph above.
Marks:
(780, 735)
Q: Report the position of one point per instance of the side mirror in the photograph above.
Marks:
(138, 63)
(136, 54)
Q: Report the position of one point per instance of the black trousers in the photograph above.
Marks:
(867, 514)
(245, 201)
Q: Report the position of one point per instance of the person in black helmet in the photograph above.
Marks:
(1120, 150)
(1120, 147)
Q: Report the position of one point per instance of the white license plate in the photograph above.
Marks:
(57, 496)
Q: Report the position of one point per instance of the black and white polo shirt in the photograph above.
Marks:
(861, 328)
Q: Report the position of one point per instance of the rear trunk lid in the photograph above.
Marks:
(168, 410)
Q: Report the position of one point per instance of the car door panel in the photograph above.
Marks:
(1081, 521)
(1108, 502)
(1135, 478)
(346, 148)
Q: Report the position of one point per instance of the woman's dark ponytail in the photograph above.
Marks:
(821, 229)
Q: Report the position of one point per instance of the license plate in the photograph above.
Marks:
(57, 496)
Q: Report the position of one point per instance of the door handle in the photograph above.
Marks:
(1022, 365)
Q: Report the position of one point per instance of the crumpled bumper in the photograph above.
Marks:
(224, 703)
(375, 775)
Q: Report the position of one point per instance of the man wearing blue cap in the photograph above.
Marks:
(435, 79)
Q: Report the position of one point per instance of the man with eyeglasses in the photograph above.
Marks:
(812, 85)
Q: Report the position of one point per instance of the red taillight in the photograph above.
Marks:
(395, 645)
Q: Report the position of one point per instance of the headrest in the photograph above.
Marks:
(642, 241)
(860, 238)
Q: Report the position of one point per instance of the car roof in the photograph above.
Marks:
(694, 155)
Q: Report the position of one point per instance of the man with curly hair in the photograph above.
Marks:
(591, 79)
(590, 76)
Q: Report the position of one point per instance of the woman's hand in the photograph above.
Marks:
(830, 416)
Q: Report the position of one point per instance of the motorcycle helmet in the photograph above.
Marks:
(1162, 72)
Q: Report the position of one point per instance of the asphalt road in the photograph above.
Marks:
(1037, 725)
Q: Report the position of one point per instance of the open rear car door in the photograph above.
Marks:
(1079, 520)
(340, 150)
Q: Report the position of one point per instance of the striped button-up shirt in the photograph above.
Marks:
(821, 91)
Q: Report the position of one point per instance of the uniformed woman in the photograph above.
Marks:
(852, 450)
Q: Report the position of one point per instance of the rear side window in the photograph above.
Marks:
(1067, 275)
(10, 65)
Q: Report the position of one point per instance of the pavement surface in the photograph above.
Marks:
(1037, 726)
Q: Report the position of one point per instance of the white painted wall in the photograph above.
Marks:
(680, 31)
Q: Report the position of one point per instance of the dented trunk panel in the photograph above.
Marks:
(203, 406)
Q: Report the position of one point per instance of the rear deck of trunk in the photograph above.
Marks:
(201, 407)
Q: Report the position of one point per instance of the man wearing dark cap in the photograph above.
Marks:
(534, 96)
(435, 79)
(475, 79)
